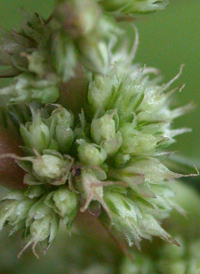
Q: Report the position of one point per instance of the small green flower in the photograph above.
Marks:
(62, 117)
(103, 132)
(144, 144)
(36, 134)
(61, 122)
(14, 210)
(91, 154)
(64, 202)
(89, 183)
(41, 226)
(100, 92)
(49, 166)
(54, 132)
(37, 214)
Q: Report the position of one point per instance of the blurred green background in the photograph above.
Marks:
(168, 39)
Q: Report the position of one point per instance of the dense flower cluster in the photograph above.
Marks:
(45, 53)
(105, 161)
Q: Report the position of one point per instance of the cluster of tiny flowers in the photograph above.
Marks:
(106, 161)
(37, 212)
(128, 126)
(45, 53)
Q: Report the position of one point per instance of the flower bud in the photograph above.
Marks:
(14, 209)
(62, 117)
(154, 99)
(111, 146)
(45, 228)
(100, 93)
(36, 134)
(90, 185)
(64, 138)
(42, 225)
(40, 229)
(91, 154)
(103, 132)
(64, 202)
(139, 144)
(50, 166)
(103, 128)
(61, 120)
